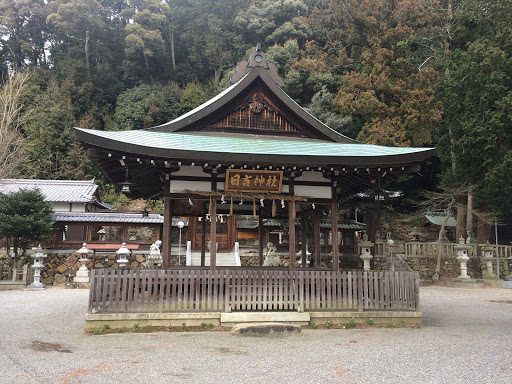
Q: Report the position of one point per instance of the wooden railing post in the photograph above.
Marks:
(417, 291)
(360, 290)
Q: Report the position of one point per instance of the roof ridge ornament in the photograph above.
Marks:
(257, 59)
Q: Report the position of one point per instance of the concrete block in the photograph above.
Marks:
(379, 317)
(128, 320)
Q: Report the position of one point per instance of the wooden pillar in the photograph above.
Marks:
(191, 232)
(303, 240)
(316, 233)
(292, 237)
(231, 223)
(334, 236)
(213, 234)
(166, 234)
(213, 223)
(372, 221)
(124, 235)
(291, 224)
(203, 240)
(260, 239)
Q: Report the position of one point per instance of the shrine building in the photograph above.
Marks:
(251, 150)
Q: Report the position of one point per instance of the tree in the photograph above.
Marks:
(475, 142)
(24, 218)
(321, 107)
(78, 19)
(272, 20)
(193, 96)
(12, 116)
(24, 31)
(147, 105)
(144, 41)
(50, 135)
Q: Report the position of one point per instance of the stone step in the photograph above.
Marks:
(233, 318)
(264, 329)
(223, 260)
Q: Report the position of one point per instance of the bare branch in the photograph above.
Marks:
(12, 117)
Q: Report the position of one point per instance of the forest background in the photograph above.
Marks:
(398, 73)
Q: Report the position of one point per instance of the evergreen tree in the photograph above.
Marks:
(24, 218)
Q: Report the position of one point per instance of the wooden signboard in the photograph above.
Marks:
(242, 180)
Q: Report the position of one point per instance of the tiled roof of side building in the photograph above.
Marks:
(114, 218)
(66, 191)
(107, 217)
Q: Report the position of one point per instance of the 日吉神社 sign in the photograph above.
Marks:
(254, 180)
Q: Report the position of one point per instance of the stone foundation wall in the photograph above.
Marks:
(57, 265)
(450, 267)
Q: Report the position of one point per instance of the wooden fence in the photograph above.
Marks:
(226, 290)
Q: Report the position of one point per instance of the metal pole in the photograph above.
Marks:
(497, 255)
(181, 224)
(179, 250)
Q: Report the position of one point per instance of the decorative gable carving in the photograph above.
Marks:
(256, 113)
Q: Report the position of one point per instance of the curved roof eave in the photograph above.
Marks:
(220, 149)
(233, 91)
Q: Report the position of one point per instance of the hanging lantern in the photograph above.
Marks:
(380, 195)
(126, 185)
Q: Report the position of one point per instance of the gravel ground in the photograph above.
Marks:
(466, 338)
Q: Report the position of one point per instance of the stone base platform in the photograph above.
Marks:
(6, 285)
(75, 285)
(177, 319)
(264, 329)
(129, 320)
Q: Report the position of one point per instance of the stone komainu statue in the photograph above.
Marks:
(271, 257)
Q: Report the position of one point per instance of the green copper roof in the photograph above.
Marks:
(173, 144)
(437, 219)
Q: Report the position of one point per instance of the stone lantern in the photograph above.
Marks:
(123, 253)
(38, 265)
(462, 257)
(488, 256)
(508, 278)
(364, 246)
(82, 275)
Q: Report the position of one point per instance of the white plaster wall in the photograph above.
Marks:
(313, 176)
(78, 207)
(65, 207)
(60, 207)
(188, 170)
(316, 192)
(178, 186)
